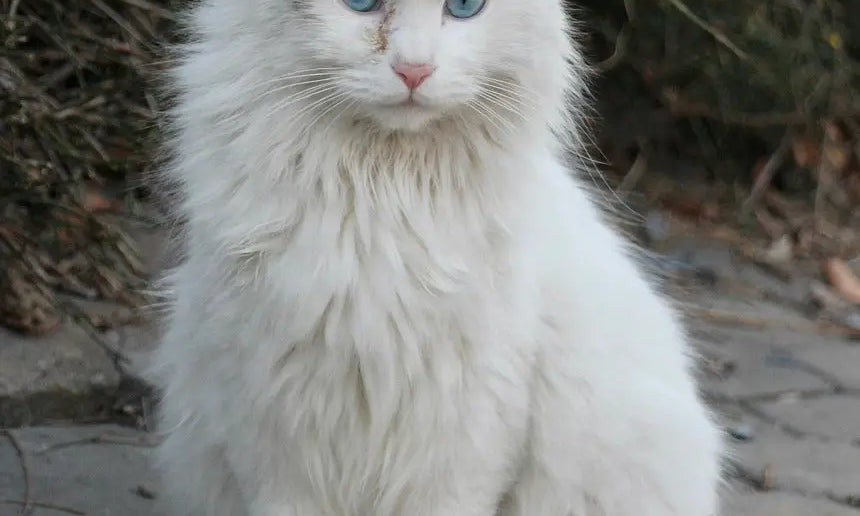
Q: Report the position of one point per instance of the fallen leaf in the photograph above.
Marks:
(837, 155)
(691, 207)
(835, 151)
(780, 252)
(843, 279)
(772, 226)
(832, 130)
(95, 201)
(827, 299)
(852, 183)
(805, 151)
(726, 234)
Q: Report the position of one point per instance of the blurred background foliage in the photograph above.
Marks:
(751, 106)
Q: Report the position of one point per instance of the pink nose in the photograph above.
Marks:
(413, 74)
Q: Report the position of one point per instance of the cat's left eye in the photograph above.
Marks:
(363, 6)
(464, 8)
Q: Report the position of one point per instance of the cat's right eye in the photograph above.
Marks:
(464, 8)
(363, 6)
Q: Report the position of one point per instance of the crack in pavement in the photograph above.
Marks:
(762, 483)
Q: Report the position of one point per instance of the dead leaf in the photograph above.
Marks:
(780, 252)
(805, 151)
(843, 279)
(852, 183)
(26, 305)
(95, 201)
(837, 155)
(832, 130)
(805, 240)
(772, 226)
(690, 207)
(726, 234)
(835, 151)
(827, 299)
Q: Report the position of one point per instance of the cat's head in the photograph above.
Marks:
(405, 63)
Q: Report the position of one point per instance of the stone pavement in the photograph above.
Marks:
(791, 404)
(77, 470)
(788, 396)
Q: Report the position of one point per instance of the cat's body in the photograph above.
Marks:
(400, 310)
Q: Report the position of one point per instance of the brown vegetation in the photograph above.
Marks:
(763, 97)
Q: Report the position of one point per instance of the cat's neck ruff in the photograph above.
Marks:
(459, 170)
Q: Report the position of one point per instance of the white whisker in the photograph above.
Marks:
(344, 97)
(315, 85)
(337, 116)
(291, 85)
(509, 125)
(512, 96)
(486, 113)
(320, 90)
(502, 103)
(507, 84)
(319, 103)
(300, 74)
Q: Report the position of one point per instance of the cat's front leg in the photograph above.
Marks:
(617, 439)
(271, 494)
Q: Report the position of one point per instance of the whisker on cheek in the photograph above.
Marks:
(284, 87)
(330, 109)
(301, 74)
(512, 97)
(288, 101)
(502, 103)
(331, 97)
(342, 111)
(487, 115)
(296, 117)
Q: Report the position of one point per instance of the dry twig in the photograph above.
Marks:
(762, 182)
(27, 505)
(74, 118)
(46, 505)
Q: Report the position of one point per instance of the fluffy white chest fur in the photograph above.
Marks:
(395, 300)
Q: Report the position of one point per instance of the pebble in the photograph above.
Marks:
(742, 432)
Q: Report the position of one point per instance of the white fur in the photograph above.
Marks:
(391, 310)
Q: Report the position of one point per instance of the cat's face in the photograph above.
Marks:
(404, 63)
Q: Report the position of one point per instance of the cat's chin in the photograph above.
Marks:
(406, 116)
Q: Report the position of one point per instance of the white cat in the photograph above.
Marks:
(395, 300)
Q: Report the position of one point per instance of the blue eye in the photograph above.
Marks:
(464, 8)
(362, 6)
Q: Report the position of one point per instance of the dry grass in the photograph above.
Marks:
(75, 115)
(749, 63)
(767, 97)
(74, 119)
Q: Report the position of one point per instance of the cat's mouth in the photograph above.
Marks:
(411, 104)
(409, 113)
(411, 100)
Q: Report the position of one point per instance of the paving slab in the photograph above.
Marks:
(773, 376)
(808, 465)
(746, 503)
(68, 374)
(835, 416)
(839, 358)
(763, 364)
(64, 375)
(78, 470)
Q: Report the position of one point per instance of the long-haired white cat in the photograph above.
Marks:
(395, 300)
